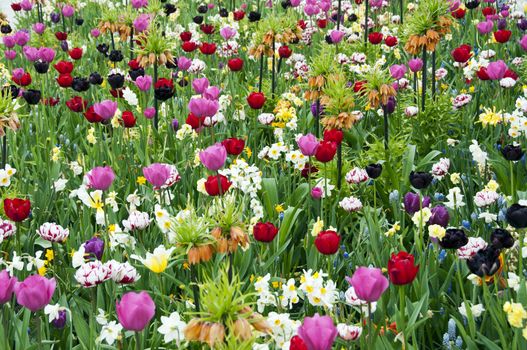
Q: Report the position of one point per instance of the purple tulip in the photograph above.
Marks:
(26, 5)
(157, 174)
(46, 54)
(100, 178)
(9, 41)
(21, 38)
(523, 42)
(439, 216)
(144, 83)
(369, 283)
(139, 3)
(411, 202)
(200, 85)
(390, 105)
(7, 286)
(317, 109)
(55, 17)
(213, 157)
(31, 53)
(522, 24)
(415, 64)
(68, 10)
(175, 124)
(502, 23)
(308, 145)
(318, 332)
(336, 36)
(64, 45)
(39, 28)
(150, 112)
(35, 292)
(228, 32)
(485, 27)
(10, 54)
(60, 321)
(135, 310)
(94, 247)
(496, 70)
(142, 22)
(106, 109)
(202, 107)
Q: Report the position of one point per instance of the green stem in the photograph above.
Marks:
(402, 310)
(138, 341)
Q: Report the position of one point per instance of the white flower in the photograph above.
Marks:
(356, 176)
(172, 328)
(53, 311)
(411, 111)
(137, 221)
(60, 184)
(471, 248)
(455, 198)
(92, 273)
(101, 318)
(110, 332)
(7, 229)
(476, 310)
(440, 169)
(485, 198)
(349, 332)
(350, 204)
(76, 168)
(5, 179)
(130, 96)
(507, 82)
(53, 232)
(125, 274)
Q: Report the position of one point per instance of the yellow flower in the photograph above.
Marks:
(436, 231)
(524, 332)
(248, 152)
(455, 178)
(491, 117)
(141, 180)
(515, 314)
(42, 271)
(492, 186)
(279, 208)
(157, 261)
(49, 254)
(471, 89)
(317, 227)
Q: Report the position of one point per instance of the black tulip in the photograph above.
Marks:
(116, 81)
(522, 24)
(5, 29)
(171, 65)
(224, 13)
(32, 96)
(374, 170)
(472, 4)
(353, 17)
(485, 262)
(254, 16)
(79, 21)
(136, 73)
(11, 89)
(170, 9)
(512, 153)
(183, 82)
(454, 239)
(328, 39)
(41, 67)
(197, 19)
(96, 79)
(516, 216)
(286, 4)
(420, 179)
(116, 56)
(80, 84)
(103, 48)
(202, 9)
(501, 238)
(163, 93)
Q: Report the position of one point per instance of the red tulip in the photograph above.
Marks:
(194, 121)
(117, 93)
(333, 136)
(375, 37)
(77, 104)
(207, 48)
(461, 54)
(265, 232)
(91, 116)
(128, 119)
(185, 36)
(390, 41)
(50, 101)
(207, 28)
(302, 24)
(61, 36)
(401, 268)
(326, 151)
(235, 64)
(488, 11)
(256, 100)
(17, 209)
(511, 74)
(285, 52)
(482, 74)
(359, 85)
(134, 65)
(64, 67)
(322, 23)
(65, 80)
(327, 242)
(233, 145)
(24, 80)
(212, 187)
(459, 13)
(16, 6)
(502, 35)
(75, 53)
(238, 15)
(189, 46)
(296, 343)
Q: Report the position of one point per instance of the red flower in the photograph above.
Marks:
(238, 15)
(285, 52)
(194, 121)
(164, 83)
(322, 23)
(265, 232)
(296, 343)
(91, 116)
(75, 53)
(207, 28)
(134, 65)
(185, 36)
(461, 54)
(128, 119)
(189, 46)
(390, 41)
(333, 136)
(50, 101)
(459, 13)
(233, 145)
(358, 2)
(401, 268)
(326, 151)
(117, 93)
(511, 74)
(61, 36)
(488, 11)
(482, 74)
(502, 35)
(235, 64)
(256, 100)
(359, 85)
(212, 187)
(16, 6)
(308, 170)
(207, 48)
(77, 104)
(24, 80)
(65, 80)
(64, 67)
(375, 37)
(17, 209)
(327, 242)
(302, 24)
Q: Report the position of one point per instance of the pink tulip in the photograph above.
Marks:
(150, 112)
(184, 63)
(202, 107)
(95, 32)
(9, 41)
(200, 85)
(369, 283)
(523, 42)
(212, 93)
(7, 286)
(39, 28)
(213, 157)
(142, 22)
(308, 145)
(26, 5)
(135, 310)
(415, 64)
(157, 174)
(21, 38)
(10, 54)
(318, 332)
(31, 53)
(106, 109)
(144, 83)
(397, 71)
(496, 70)
(100, 178)
(485, 27)
(46, 54)
(336, 36)
(139, 3)
(35, 292)
(228, 32)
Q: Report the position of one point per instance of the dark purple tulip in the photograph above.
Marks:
(60, 321)
(411, 202)
(502, 23)
(522, 24)
(64, 45)
(316, 109)
(175, 124)
(439, 216)
(390, 106)
(55, 17)
(94, 246)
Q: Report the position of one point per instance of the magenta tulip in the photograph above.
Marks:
(397, 71)
(496, 70)
(150, 112)
(523, 42)
(485, 27)
(203, 107)
(135, 310)
(105, 109)
(100, 178)
(144, 83)
(142, 22)
(200, 85)
(336, 36)
(415, 64)
(46, 54)
(35, 292)
(369, 283)
(213, 157)
(7, 286)
(318, 332)
(308, 145)
(157, 174)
